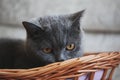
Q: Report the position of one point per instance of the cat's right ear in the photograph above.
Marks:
(31, 28)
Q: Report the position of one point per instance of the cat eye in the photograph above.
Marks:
(47, 50)
(70, 47)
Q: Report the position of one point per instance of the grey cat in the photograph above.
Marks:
(49, 39)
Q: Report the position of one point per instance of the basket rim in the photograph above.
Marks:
(89, 63)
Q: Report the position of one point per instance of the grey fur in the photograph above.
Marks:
(55, 32)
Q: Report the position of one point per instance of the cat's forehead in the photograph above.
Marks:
(52, 21)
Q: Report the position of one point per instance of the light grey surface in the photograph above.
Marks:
(13, 12)
(100, 15)
(116, 75)
(99, 42)
(12, 32)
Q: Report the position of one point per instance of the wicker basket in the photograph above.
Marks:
(84, 68)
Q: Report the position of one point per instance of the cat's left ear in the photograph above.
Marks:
(75, 18)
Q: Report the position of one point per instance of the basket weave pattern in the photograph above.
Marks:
(73, 68)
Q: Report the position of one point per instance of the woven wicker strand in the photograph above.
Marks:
(69, 69)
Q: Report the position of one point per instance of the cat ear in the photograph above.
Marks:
(77, 15)
(75, 18)
(31, 28)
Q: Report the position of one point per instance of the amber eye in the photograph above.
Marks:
(47, 50)
(70, 47)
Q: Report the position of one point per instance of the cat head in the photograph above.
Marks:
(54, 38)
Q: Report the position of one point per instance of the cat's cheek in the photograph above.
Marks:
(50, 59)
(73, 54)
(79, 51)
(68, 55)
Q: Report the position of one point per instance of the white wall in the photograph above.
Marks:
(100, 15)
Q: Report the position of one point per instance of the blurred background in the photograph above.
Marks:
(101, 20)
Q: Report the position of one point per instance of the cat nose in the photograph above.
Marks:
(60, 57)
